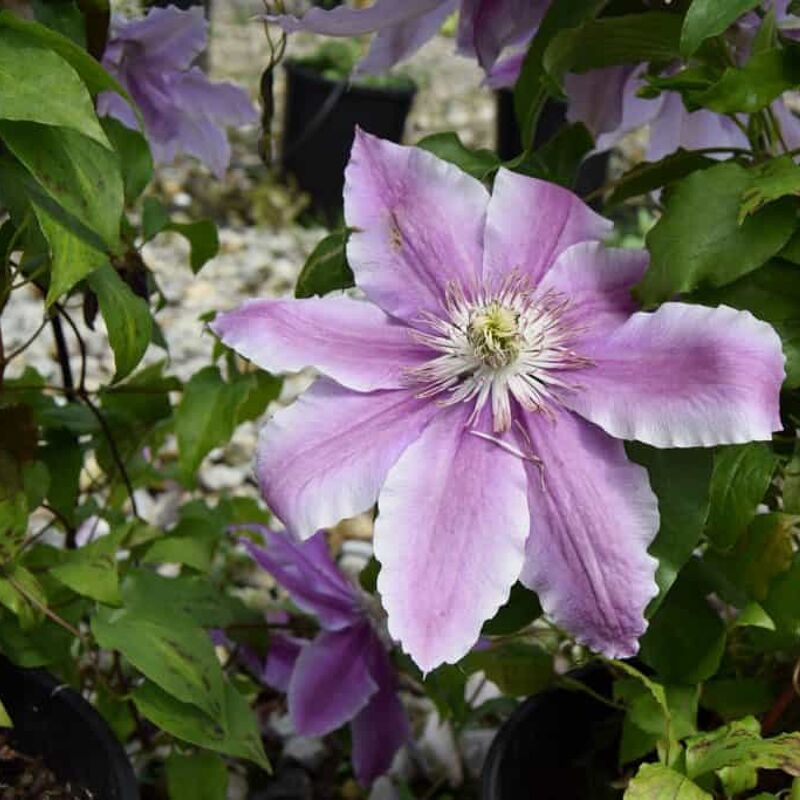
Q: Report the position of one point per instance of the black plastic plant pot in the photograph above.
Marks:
(558, 745)
(593, 171)
(319, 125)
(54, 723)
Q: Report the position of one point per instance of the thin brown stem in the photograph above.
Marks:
(34, 601)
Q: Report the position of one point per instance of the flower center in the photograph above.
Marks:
(494, 334)
(495, 346)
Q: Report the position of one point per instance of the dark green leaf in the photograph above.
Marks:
(754, 86)
(742, 474)
(559, 159)
(13, 524)
(773, 180)
(707, 18)
(177, 656)
(62, 16)
(134, 157)
(64, 460)
(263, 388)
(519, 669)
(686, 638)
(520, 610)
(22, 594)
(203, 241)
(658, 781)
(326, 269)
(155, 218)
(127, 317)
(478, 163)
(206, 417)
(605, 42)
(736, 697)
(38, 85)
(680, 479)
(234, 733)
(649, 176)
(696, 242)
(199, 776)
(80, 175)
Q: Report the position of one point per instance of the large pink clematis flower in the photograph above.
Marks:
(183, 111)
(480, 397)
(343, 675)
(485, 27)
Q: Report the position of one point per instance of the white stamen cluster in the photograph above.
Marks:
(496, 345)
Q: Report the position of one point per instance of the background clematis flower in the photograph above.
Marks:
(480, 397)
(485, 27)
(344, 675)
(183, 111)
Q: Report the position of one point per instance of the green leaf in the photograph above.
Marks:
(94, 76)
(776, 178)
(680, 479)
(533, 82)
(13, 524)
(134, 155)
(80, 175)
(517, 668)
(199, 776)
(326, 269)
(262, 389)
(605, 42)
(203, 241)
(686, 637)
(754, 86)
(64, 460)
(38, 85)
(707, 18)
(155, 218)
(127, 318)
(196, 551)
(166, 649)
(447, 146)
(772, 294)
(22, 594)
(206, 417)
(740, 744)
(63, 16)
(521, 608)
(657, 781)
(5, 719)
(731, 698)
(651, 175)
(559, 159)
(696, 242)
(742, 474)
(92, 570)
(235, 733)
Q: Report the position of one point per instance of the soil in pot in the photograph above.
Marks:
(559, 745)
(322, 111)
(57, 728)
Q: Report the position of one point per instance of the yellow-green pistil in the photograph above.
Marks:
(495, 336)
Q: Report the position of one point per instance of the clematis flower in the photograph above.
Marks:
(485, 27)
(344, 675)
(480, 396)
(183, 111)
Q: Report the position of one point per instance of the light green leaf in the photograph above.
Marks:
(22, 594)
(234, 733)
(326, 269)
(776, 178)
(127, 317)
(519, 669)
(696, 242)
(193, 551)
(707, 18)
(5, 719)
(742, 474)
(91, 570)
(754, 616)
(206, 417)
(199, 776)
(13, 524)
(657, 781)
(38, 85)
(169, 651)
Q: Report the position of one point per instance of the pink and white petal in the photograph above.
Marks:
(281, 660)
(418, 225)
(530, 223)
(346, 21)
(331, 681)
(684, 376)
(450, 538)
(597, 280)
(326, 457)
(397, 42)
(593, 516)
(351, 341)
(381, 728)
